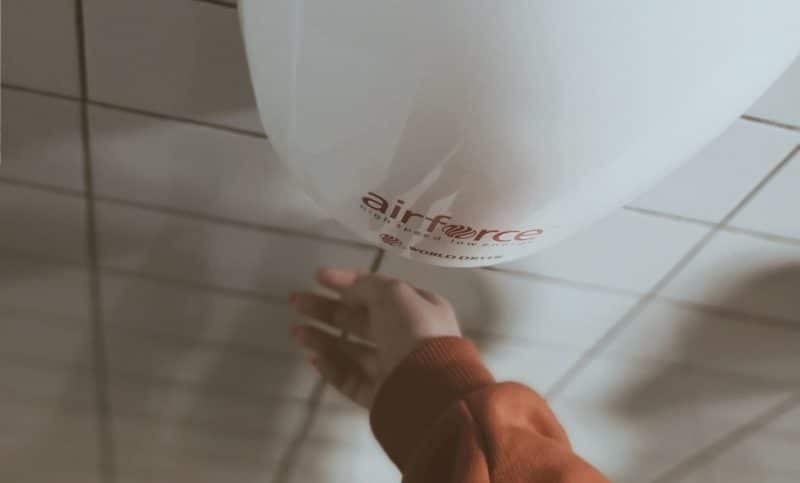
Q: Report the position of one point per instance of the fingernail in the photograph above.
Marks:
(314, 361)
(297, 332)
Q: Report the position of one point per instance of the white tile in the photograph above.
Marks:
(41, 140)
(538, 366)
(341, 422)
(214, 319)
(196, 471)
(175, 430)
(627, 250)
(42, 223)
(709, 185)
(47, 397)
(171, 341)
(775, 208)
(188, 470)
(184, 59)
(609, 442)
(47, 387)
(635, 419)
(743, 273)
(671, 333)
(198, 169)
(332, 463)
(46, 338)
(781, 102)
(47, 444)
(203, 383)
(156, 364)
(501, 304)
(156, 450)
(40, 45)
(177, 435)
(64, 342)
(175, 409)
(43, 384)
(25, 284)
(216, 254)
(768, 454)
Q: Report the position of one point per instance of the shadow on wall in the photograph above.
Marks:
(734, 366)
(204, 385)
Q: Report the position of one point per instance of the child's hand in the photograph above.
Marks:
(390, 317)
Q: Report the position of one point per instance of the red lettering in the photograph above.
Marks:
(499, 238)
(484, 232)
(529, 234)
(376, 202)
(409, 214)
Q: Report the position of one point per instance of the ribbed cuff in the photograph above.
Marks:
(418, 391)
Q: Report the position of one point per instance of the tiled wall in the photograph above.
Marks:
(149, 239)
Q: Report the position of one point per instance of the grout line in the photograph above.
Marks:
(728, 228)
(377, 261)
(744, 317)
(759, 186)
(288, 460)
(286, 463)
(234, 348)
(107, 458)
(185, 213)
(169, 117)
(761, 120)
(243, 293)
(670, 216)
(562, 281)
(42, 187)
(741, 317)
(560, 385)
(246, 225)
(627, 318)
(705, 455)
(762, 235)
(37, 363)
(31, 90)
(218, 289)
(248, 132)
(221, 3)
(141, 112)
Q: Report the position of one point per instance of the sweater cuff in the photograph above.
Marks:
(419, 390)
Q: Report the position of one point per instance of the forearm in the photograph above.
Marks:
(441, 417)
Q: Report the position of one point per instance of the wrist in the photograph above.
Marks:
(436, 374)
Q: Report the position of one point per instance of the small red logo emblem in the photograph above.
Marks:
(390, 240)
(459, 231)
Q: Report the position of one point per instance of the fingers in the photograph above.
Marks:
(332, 312)
(356, 287)
(337, 279)
(350, 367)
(334, 348)
(431, 297)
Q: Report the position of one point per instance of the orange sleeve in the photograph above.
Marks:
(441, 417)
